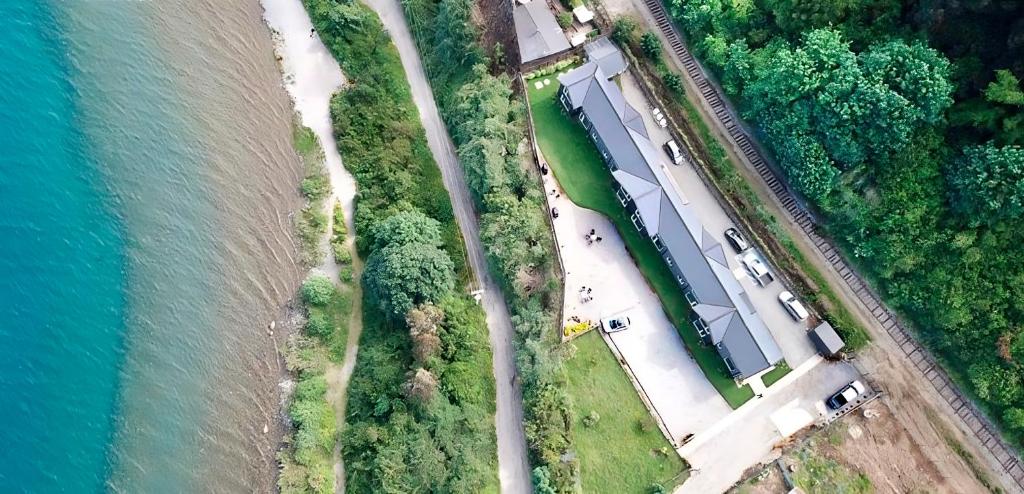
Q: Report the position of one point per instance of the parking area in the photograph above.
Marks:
(789, 334)
(602, 281)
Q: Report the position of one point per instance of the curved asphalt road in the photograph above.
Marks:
(513, 469)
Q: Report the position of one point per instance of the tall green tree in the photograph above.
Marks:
(988, 183)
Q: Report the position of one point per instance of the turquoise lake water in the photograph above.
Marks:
(146, 183)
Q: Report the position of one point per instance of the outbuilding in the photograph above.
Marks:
(826, 340)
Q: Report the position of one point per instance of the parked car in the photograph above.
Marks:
(757, 269)
(613, 324)
(738, 243)
(793, 306)
(844, 396)
(672, 149)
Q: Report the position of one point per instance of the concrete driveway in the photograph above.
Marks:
(667, 378)
(790, 335)
(749, 435)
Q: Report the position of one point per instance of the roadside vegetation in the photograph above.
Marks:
(306, 461)
(311, 223)
(586, 181)
(420, 408)
(629, 454)
(485, 120)
(903, 126)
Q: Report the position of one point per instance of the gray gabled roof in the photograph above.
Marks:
(537, 31)
(735, 327)
(607, 55)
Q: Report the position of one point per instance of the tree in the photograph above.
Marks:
(1005, 89)
(422, 321)
(317, 290)
(542, 481)
(1014, 418)
(624, 30)
(399, 276)
(988, 183)
(421, 386)
(995, 383)
(916, 72)
(407, 227)
(651, 45)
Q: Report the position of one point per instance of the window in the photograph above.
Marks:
(637, 222)
(702, 327)
(731, 366)
(563, 96)
(623, 196)
(668, 260)
(658, 245)
(583, 120)
(682, 282)
(691, 297)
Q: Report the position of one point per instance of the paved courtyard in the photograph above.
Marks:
(684, 400)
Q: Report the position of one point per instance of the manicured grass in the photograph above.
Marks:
(624, 452)
(773, 376)
(576, 163)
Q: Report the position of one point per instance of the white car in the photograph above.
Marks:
(793, 306)
(613, 324)
(672, 149)
(757, 269)
(844, 396)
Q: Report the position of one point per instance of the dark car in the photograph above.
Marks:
(738, 243)
(849, 393)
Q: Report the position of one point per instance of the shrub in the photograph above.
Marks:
(591, 419)
(317, 290)
(624, 30)
(564, 19)
(318, 325)
(651, 45)
(315, 187)
(674, 82)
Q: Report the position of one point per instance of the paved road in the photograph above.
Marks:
(513, 469)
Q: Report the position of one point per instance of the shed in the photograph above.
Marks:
(826, 340)
(583, 14)
(537, 31)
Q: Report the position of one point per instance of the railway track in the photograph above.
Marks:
(919, 357)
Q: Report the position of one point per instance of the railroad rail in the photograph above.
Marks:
(975, 420)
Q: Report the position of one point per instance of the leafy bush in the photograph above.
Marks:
(318, 325)
(624, 30)
(673, 82)
(651, 45)
(564, 19)
(317, 290)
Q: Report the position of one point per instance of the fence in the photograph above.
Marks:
(534, 151)
(973, 418)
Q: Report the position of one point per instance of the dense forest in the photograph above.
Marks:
(486, 121)
(419, 414)
(902, 124)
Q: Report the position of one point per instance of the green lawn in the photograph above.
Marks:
(624, 452)
(579, 169)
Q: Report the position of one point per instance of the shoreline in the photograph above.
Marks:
(311, 76)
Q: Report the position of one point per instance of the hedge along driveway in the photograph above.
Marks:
(583, 175)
